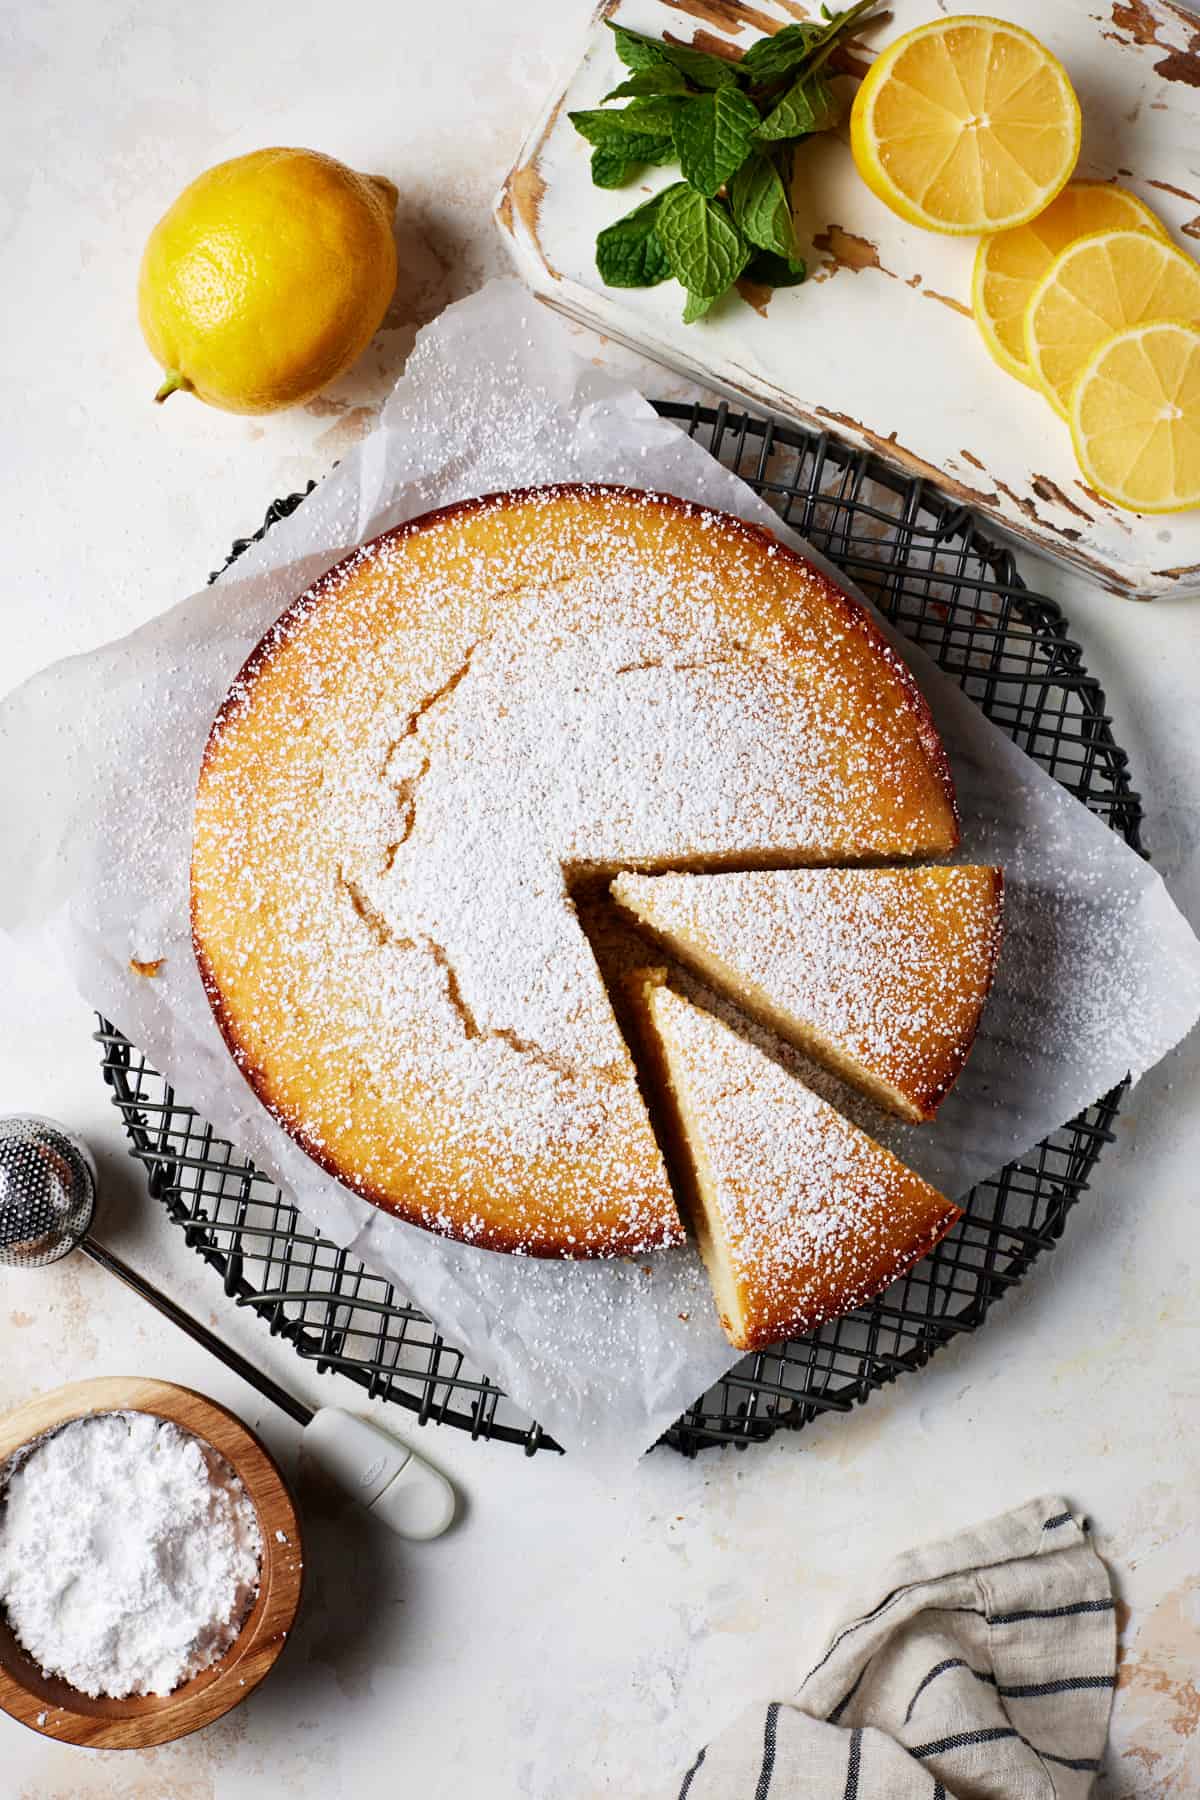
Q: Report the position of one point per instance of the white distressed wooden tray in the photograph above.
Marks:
(878, 346)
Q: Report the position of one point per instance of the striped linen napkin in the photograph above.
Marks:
(985, 1672)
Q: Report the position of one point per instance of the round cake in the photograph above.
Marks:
(456, 733)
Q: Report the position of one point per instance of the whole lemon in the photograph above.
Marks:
(268, 276)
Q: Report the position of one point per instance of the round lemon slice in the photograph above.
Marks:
(1097, 286)
(1135, 417)
(966, 124)
(1009, 264)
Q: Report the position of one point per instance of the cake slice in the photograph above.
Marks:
(881, 974)
(800, 1216)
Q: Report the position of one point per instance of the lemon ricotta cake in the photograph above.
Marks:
(881, 974)
(427, 754)
(800, 1216)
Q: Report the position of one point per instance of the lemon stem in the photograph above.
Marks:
(174, 384)
(387, 190)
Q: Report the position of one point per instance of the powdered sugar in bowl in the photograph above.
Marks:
(252, 1596)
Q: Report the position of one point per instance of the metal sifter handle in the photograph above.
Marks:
(47, 1202)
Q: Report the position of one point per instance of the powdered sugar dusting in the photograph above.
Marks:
(815, 1218)
(431, 748)
(891, 966)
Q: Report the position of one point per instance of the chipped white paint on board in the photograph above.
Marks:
(879, 346)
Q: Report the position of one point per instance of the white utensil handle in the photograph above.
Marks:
(382, 1474)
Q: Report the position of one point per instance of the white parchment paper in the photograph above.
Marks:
(99, 754)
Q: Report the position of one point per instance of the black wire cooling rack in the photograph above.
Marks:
(955, 592)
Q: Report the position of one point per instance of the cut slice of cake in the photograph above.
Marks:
(881, 974)
(800, 1216)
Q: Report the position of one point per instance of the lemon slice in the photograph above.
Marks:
(1135, 417)
(1097, 286)
(966, 124)
(1009, 264)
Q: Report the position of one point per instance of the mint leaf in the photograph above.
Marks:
(638, 52)
(700, 68)
(810, 104)
(634, 50)
(779, 55)
(661, 79)
(704, 247)
(839, 26)
(769, 270)
(804, 46)
(760, 206)
(697, 305)
(597, 127)
(625, 150)
(656, 113)
(611, 168)
(713, 136)
(615, 161)
(625, 126)
(612, 164)
(630, 252)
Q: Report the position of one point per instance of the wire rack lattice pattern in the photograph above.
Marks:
(957, 593)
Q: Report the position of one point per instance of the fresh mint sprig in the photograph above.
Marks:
(732, 126)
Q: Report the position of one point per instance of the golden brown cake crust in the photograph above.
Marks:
(369, 1125)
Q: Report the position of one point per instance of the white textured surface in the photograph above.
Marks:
(565, 1642)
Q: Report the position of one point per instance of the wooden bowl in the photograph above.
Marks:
(58, 1711)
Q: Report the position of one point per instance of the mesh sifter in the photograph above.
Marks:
(957, 593)
(47, 1192)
